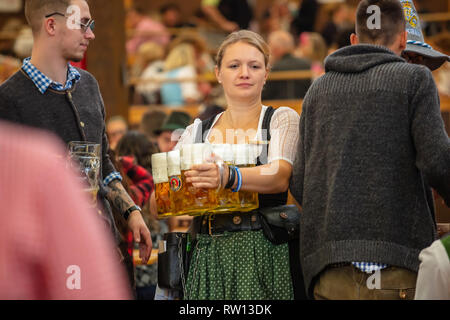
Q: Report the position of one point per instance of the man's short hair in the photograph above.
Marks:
(392, 22)
(36, 10)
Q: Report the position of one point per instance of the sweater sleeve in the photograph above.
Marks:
(298, 173)
(430, 138)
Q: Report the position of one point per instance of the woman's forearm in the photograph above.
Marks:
(269, 178)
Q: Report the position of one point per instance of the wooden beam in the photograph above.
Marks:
(106, 55)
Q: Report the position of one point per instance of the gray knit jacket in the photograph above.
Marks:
(22, 103)
(371, 138)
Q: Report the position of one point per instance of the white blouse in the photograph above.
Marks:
(284, 131)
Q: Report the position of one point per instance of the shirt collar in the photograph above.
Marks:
(43, 82)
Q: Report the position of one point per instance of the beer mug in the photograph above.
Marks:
(162, 187)
(85, 158)
(175, 181)
(245, 157)
(227, 201)
(197, 201)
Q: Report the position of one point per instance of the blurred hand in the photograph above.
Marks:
(141, 235)
(229, 26)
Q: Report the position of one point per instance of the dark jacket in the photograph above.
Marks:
(22, 103)
(371, 138)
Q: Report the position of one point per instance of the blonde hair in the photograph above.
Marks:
(148, 52)
(248, 37)
(179, 56)
(318, 47)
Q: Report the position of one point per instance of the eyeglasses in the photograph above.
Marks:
(84, 26)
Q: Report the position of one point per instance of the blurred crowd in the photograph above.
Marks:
(171, 61)
(171, 57)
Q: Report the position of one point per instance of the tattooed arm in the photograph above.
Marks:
(120, 199)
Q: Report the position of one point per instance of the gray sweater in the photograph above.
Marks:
(22, 103)
(371, 138)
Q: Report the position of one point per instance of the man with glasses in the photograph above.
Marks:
(49, 93)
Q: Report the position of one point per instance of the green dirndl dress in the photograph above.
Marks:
(240, 265)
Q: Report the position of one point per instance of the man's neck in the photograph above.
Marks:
(50, 64)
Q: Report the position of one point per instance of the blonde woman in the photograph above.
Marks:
(180, 64)
(312, 46)
(230, 261)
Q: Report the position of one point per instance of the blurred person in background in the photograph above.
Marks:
(50, 94)
(443, 74)
(276, 17)
(311, 46)
(180, 67)
(144, 29)
(116, 127)
(305, 19)
(433, 278)
(170, 131)
(281, 44)
(228, 15)
(148, 68)
(10, 29)
(134, 153)
(171, 17)
(24, 43)
(151, 121)
(338, 20)
(342, 39)
(51, 247)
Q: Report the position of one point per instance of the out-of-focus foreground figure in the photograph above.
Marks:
(52, 244)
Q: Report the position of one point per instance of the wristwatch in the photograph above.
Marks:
(130, 210)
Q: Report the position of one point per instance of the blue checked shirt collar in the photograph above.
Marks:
(43, 82)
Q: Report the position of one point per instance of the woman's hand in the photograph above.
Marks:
(210, 175)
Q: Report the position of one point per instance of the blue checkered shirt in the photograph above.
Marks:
(369, 267)
(42, 82)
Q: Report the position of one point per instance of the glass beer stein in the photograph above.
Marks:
(198, 200)
(245, 157)
(175, 181)
(227, 200)
(85, 157)
(162, 187)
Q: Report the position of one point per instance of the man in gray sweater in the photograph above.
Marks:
(371, 137)
(50, 94)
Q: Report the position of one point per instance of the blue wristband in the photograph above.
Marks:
(239, 182)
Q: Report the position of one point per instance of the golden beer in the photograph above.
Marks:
(227, 200)
(175, 182)
(162, 187)
(245, 157)
(196, 201)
